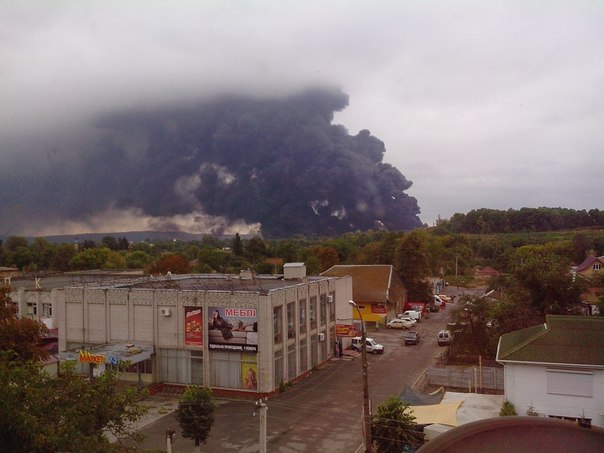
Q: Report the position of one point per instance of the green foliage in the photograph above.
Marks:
(137, 259)
(531, 412)
(472, 329)
(195, 413)
(507, 409)
(90, 258)
(42, 413)
(19, 336)
(393, 428)
(412, 261)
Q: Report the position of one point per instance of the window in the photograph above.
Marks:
(302, 312)
(291, 320)
(312, 312)
(277, 324)
(323, 313)
(597, 267)
(568, 382)
(180, 366)
(332, 307)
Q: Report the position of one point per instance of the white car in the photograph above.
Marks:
(400, 323)
(371, 345)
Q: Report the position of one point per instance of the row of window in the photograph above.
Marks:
(302, 307)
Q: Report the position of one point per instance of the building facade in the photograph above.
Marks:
(226, 332)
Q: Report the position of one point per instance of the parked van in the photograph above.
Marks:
(444, 338)
(371, 345)
(417, 315)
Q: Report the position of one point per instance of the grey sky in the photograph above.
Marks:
(480, 104)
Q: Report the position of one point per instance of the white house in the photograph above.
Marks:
(556, 368)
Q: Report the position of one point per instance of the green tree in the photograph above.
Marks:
(195, 414)
(472, 327)
(90, 258)
(137, 259)
(110, 242)
(412, 262)
(62, 257)
(42, 413)
(393, 428)
(237, 245)
(21, 257)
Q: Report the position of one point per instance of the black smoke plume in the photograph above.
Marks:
(277, 162)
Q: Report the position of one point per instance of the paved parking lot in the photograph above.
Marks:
(322, 413)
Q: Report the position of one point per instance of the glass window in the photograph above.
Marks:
(332, 307)
(323, 309)
(277, 324)
(312, 312)
(278, 366)
(181, 366)
(302, 312)
(303, 356)
(291, 320)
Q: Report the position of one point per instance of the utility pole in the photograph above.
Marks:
(169, 439)
(366, 409)
(262, 409)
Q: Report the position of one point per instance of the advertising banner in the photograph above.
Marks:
(193, 326)
(232, 329)
(346, 330)
(249, 372)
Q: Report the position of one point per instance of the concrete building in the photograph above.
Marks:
(241, 333)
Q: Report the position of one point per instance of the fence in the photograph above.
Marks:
(473, 378)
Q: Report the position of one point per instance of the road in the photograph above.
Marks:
(322, 413)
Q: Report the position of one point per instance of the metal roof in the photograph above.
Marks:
(562, 340)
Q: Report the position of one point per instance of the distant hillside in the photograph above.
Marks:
(132, 236)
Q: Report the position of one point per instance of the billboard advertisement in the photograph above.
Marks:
(232, 329)
(193, 326)
(346, 330)
(249, 372)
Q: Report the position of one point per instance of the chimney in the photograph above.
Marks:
(294, 271)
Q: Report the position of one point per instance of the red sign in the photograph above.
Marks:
(87, 357)
(346, 330)
(379, 308)
(193, 326)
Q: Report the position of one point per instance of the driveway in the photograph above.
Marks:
(322, 413)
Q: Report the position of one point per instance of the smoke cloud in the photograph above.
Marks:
(232, 163)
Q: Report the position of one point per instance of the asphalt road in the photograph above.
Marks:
(322, 413)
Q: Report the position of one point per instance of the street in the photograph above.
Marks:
(321, 413)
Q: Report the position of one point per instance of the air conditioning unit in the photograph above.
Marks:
(321, 336)
(165, 312)
(330, 298)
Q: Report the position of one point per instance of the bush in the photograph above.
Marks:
(507, 409)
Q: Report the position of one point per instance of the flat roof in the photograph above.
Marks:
(112, 354)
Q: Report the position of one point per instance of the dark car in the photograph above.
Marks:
(412, 337)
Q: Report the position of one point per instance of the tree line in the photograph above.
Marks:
(485, 221)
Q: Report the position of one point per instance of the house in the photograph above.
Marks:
(557, 368)
(485, 273)
(592, 266)
(377, 290)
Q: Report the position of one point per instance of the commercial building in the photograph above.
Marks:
(244, 333)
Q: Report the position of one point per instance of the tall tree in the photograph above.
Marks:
(195, 414)
(237, 245)
(412, 262)
(393, 428)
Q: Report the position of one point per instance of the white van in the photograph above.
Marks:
(444, 338)
(416, 315)
(371, 345)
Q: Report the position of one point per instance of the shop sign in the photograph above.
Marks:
(87, 357)
(193, 326)
(379, 309)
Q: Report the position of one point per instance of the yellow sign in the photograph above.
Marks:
(87, 357)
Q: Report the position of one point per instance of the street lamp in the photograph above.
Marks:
(366, 414)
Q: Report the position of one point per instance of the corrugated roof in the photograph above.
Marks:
(370, 283)
(575, 340)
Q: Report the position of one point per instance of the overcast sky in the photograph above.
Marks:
(479, 103)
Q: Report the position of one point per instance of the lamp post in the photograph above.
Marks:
(366, 414)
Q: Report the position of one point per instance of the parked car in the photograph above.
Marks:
(446, 298)
(412, 337)
(445, 338)
(400, 323)
(371, 345)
